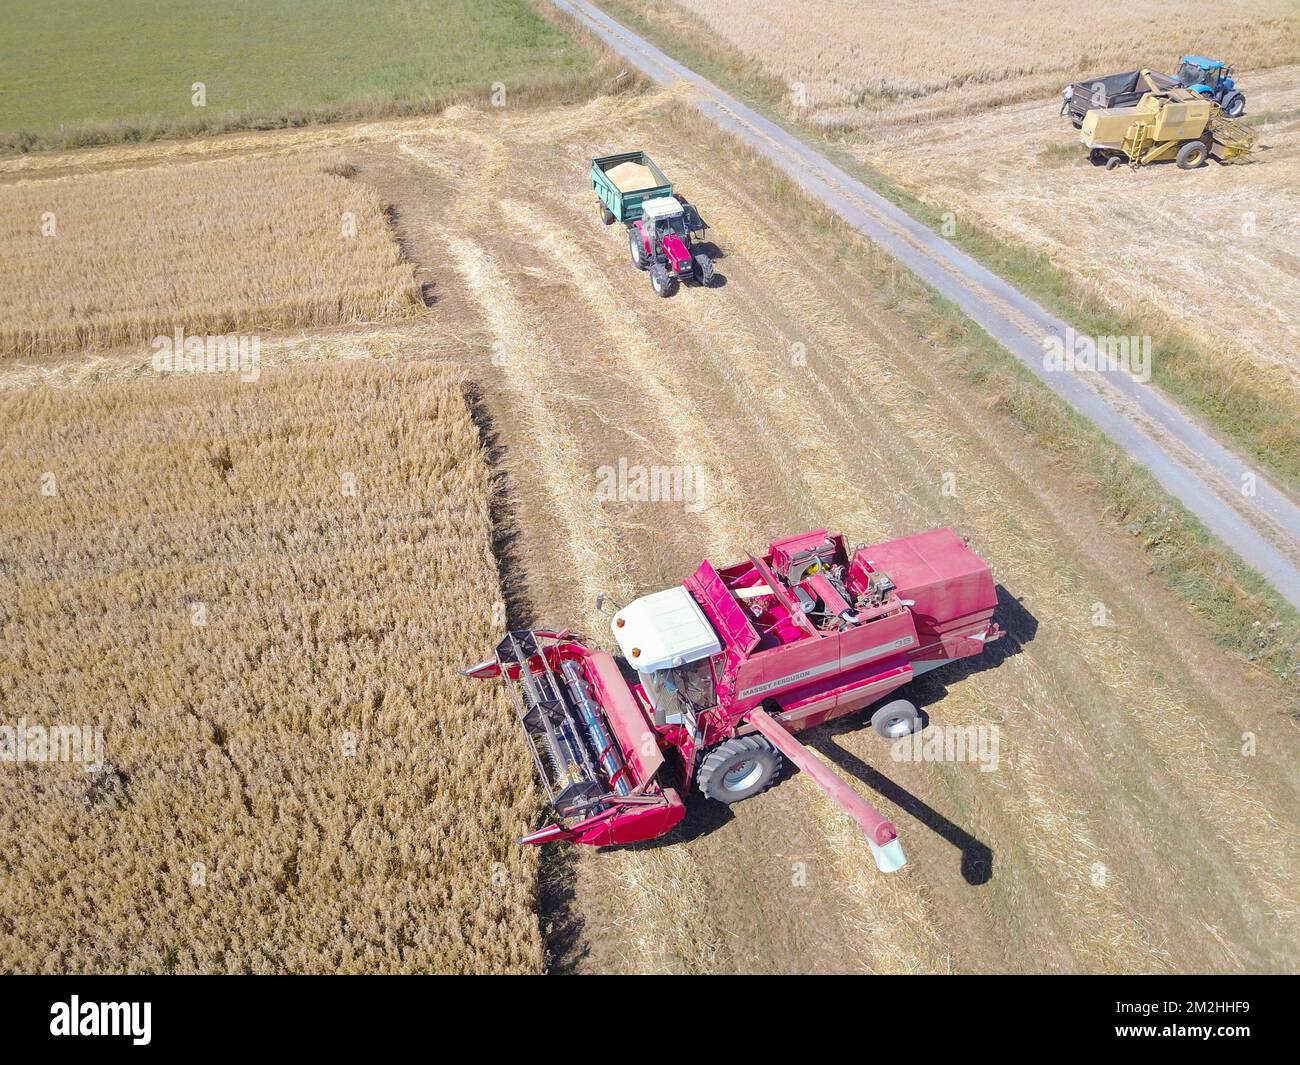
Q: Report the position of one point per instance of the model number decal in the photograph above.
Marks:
(826, 667)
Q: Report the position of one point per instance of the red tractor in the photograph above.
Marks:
(661, 241)
(729, 665)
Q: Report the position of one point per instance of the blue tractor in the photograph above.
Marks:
(1213, 80)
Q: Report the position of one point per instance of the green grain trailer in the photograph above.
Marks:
(616, 204)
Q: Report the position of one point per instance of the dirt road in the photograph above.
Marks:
(1123, 828)
(1263, 526)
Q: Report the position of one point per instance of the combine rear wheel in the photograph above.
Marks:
(738, 768)
(1192, 154)
(896, 719)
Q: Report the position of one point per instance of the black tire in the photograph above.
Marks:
(1234, 105)
(606, 215)
(1113, 163)
(662, 281)
(635, 246)
(738, 768)
(1192, 155)
(895, 719)
(703, 269)
(1076, 122)
(1097, 157)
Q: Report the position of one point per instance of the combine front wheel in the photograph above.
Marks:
(738, 768)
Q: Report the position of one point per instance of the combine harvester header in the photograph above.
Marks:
(729, 665)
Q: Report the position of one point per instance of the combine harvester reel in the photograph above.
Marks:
(730, 664)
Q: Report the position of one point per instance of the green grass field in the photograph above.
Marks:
(87, 71)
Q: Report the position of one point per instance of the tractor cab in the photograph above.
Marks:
(1211, 78)
(662, 244)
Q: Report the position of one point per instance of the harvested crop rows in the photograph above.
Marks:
(1124, 829)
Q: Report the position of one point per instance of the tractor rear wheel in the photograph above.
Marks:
(661, 280)
(1192, 155)
(638, 252)
(738, 768)
(896, 719)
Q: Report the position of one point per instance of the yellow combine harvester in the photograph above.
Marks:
(1174, 124)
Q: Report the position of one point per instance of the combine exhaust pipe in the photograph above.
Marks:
(880, 831)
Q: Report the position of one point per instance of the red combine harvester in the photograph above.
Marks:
(730, 664)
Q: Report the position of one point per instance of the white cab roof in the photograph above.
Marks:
(661, 207)
(663, 630)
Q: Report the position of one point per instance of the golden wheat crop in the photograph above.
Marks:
(261, 594)
(220, 247)
(839, 55)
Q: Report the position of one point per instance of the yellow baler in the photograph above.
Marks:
(1175, 124)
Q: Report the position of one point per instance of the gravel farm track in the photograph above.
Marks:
(1124, 829)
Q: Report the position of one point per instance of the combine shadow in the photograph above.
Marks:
(563, 929)
(976, 856)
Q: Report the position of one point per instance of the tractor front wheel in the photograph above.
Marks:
(661, 280)
(738, 768)
(895, 720)
(703, 269)
(1234, 105)
(1192, 155)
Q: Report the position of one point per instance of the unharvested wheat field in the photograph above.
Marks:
(1121, 743)
(259, 593)
(233, 246)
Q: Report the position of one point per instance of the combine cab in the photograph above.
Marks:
(729, 665)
